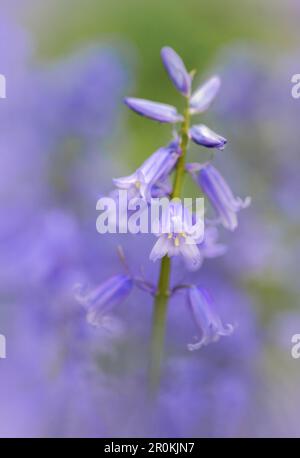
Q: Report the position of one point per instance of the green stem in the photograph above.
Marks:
(163, 289)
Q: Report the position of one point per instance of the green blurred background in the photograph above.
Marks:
(197, 29)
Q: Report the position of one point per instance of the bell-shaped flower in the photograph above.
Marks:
(204, 136)
(100, 301)
(206, 318)
(160, 112)
(178, 235)
(150, 179)
(204, 95)
(176, 70)
(219, 194)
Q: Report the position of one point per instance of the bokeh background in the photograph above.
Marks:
(64, 133)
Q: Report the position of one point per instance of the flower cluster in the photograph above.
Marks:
(152, 179)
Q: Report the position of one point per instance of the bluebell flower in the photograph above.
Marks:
(151, 176)
(206, 318)
(160, 112)
(219, 194)
(181, 238)
(204, 136)
(204, 95)
(100, 301)
(176, 70)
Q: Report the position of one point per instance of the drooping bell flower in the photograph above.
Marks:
(219, 194)
(103, 299)
(149, 180)
(176, 70)
(206, 318)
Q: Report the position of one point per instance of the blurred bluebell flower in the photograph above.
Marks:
(152, 174)
(219, 193)
(160, 112)
(176, 70)
(204, 136)
(206, 318)
(204, 95)
(209, 247)
(100, 301)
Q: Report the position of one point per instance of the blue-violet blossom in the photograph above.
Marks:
(182, 237)
(219, 193)
(151, 174)
(100, 301)
(176, 70)
(206, 318)
(154, 110)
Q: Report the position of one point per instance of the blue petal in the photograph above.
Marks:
(157, 111)
(126, 182)
(204, 95)
(160, 248)
(219, 193)
(106, 296)
(206, 318)
(204, 136)
(192, 256)
(176, 70)
(160, 164)
(151, 177)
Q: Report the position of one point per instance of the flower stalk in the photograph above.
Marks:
(180, 238)
(163, 289)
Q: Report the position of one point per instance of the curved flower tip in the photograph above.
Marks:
(100, 301)
(204, 136)
(154, 110)
(176, 70)
(206, 318)
(220, 195)
(204, 95)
